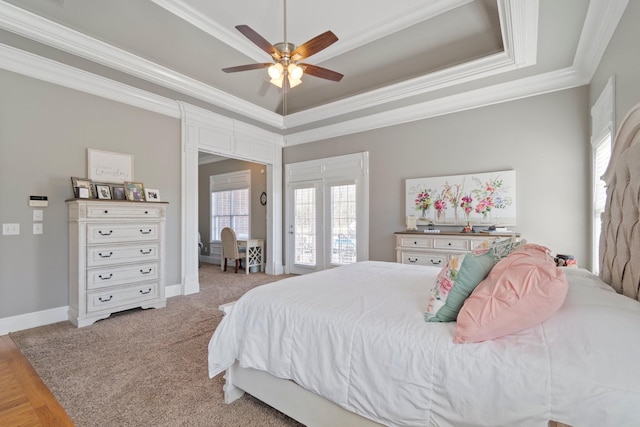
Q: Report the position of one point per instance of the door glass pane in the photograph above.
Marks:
(305, 226)
(343, 224)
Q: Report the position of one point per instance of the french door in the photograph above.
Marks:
(327, 218)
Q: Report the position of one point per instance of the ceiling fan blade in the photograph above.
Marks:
(323, 73)
(247, 67)
(314, 46)
(259, 41)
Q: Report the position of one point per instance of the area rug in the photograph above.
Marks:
(147, 367)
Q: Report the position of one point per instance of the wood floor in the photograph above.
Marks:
(24, 399)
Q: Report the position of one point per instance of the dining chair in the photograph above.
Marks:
(230, 248)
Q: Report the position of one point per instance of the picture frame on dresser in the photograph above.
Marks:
(103, 191)
(81, 187)
(117, 192)
(134, 191)
(151, 195)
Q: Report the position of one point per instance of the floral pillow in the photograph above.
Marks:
(501, 247)
(455, 282)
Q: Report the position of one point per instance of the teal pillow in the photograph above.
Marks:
(455, 282)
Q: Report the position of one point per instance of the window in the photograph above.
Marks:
(602, 122)
(601, 155)
(230, 194)
(230, 209)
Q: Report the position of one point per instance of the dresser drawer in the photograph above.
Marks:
(452, 244)
(424, 258)
(107, 255)
(111, 298)
(117, 233)
(416, 242)
(124, 211)
(113, 276)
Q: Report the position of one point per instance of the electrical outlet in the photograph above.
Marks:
(38, 214)
(37, 228)
(11, 229)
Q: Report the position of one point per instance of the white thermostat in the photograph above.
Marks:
(38, 201)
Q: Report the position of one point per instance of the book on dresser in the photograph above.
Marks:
(435, 249)
(116, 257)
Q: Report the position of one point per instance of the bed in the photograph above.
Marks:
(369, 358)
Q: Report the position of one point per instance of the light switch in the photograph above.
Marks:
(11, 229)
(37, 228)
(38, 214)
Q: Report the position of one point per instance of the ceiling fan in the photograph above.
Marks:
(286, 71)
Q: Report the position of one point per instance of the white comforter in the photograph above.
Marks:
(356, 336)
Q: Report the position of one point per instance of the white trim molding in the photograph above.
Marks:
(33, 320)
(30, 25)
(40, 68)
(503, 92)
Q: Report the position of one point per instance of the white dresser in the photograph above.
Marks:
(437, 248)
(116, 257)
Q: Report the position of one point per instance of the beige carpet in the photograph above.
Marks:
(147, 367)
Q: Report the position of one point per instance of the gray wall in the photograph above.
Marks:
(45, 131)
(622, 60)
(544, 138)
(258, 185)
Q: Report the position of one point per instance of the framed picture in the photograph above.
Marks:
(117, 192)
(151, 195)
(134, 191)
(103, 191)
(475, 199)
(106, 166)
(81, 188)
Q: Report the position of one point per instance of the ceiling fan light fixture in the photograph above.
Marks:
(295, 71)
(294, 82)
(278, 82)
(275, 72)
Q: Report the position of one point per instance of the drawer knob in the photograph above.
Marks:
(105, 299)
(146, 212)
(436, 262)
(106, 211)
(105, 234)
(415, 243)
(145, 232)
(143, 252)
(106, 277)
(147, 292)
(105, 256)
(449, 243)
(412, 260)
(146, 272)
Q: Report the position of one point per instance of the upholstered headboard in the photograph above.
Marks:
(620, 238)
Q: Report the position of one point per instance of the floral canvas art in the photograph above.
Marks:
(482, 198)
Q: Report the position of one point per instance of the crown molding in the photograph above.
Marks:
(45, 31)
(510, 91)
(232, 38)
(600, 23)
(519, 26)
(390, 25)
(40, 68)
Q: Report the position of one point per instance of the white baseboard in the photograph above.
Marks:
(172, 291)
(55, 315)
(32, 320)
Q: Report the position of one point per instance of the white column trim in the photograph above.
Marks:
(212, 133)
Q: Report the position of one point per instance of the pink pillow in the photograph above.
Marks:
(522, 290)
